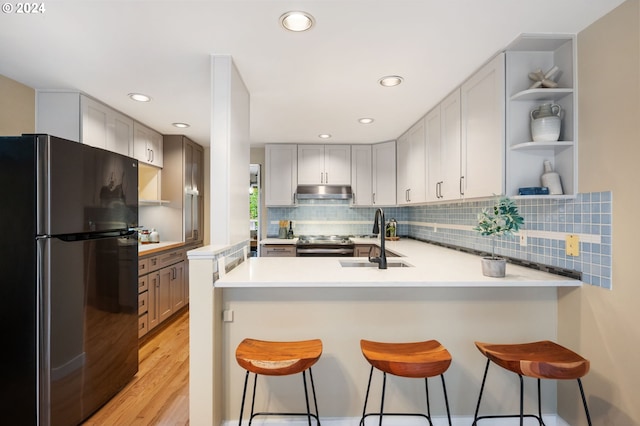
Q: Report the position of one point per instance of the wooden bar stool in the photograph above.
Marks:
(414, 360)
(278, 359)
(540, 360)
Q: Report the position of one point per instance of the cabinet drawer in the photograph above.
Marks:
(143, 283)
(143, 325)
(166, 259)
(143, 266)
(143, 302)
(278, 250)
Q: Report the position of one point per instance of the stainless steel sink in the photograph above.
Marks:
(366, 264)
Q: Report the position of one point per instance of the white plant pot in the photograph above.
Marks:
(493, 267)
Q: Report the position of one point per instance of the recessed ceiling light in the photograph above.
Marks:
(365, 120)
(181, 125)
(139, 97)
(390, 80)
(324, 135)
(296, 21)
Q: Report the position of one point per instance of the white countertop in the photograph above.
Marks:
(155, 247)
(433, 266)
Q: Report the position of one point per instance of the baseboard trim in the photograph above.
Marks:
(549, 420)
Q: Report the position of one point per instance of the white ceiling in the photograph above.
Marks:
(301, 84)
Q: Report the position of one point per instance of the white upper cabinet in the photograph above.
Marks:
(384, 173)
(411, 176)
(77, 117)
(361, 175)
(324, 164)
(450, 155)
(482, 131)
(525, 157)
(281, 174)
(147, 146)
(106, 128)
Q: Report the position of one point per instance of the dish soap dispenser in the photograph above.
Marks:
(551, 179)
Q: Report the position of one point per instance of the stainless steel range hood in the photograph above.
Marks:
(324, 192)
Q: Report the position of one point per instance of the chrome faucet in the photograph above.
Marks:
(382, 259)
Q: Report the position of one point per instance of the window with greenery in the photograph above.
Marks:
(253, 203)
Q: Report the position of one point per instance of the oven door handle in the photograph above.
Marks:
(325, 251)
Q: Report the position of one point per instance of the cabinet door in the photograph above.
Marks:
(105, 128)
(120, 136)
(165, 305)
(311, 165)
(433, 142)
(281, 174)
(411, 165)
(153, 317)
(178, 286)
(482, 129)
(384, 173)
(402, 175)
(337, 164)
(451, 186)
(361, 179)
(147, 145)
(94, 123)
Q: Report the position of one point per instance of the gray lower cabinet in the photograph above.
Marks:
(362, 250)
(278, 250)
(162, 289)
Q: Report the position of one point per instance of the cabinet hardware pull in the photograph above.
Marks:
(374, 198)
(321, 177)
(461, 185)
(326, 177)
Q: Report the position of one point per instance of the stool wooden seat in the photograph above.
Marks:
(279, 359)
(540, 360)
(413, 360)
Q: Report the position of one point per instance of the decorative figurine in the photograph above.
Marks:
(544, 80)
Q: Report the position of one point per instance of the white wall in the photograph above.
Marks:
(229, 173)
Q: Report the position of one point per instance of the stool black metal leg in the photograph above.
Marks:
(540, 421)
(384, 384)
(426, 390)
(584, 402)
(446, 399)
(521, 400)
(306, 397)
(253, 398)
(484, 379)
(313, 390)
(244, 394)
(366, 397)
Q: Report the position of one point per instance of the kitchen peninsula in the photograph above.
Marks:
(442, 295)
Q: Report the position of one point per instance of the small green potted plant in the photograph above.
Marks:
(501, 219)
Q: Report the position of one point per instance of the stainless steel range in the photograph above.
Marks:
(324, 246)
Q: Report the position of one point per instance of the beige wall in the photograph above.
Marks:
(17, 108)
(604, 326)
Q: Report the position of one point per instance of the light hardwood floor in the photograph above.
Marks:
(159, 393)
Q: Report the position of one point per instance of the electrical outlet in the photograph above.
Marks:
(572, 245)
(523, 239)
(227, 315)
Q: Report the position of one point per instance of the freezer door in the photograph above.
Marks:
(89, 324)
(84, 189)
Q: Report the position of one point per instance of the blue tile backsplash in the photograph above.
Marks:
(547, 222)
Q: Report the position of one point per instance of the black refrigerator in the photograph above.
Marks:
(69, 253)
